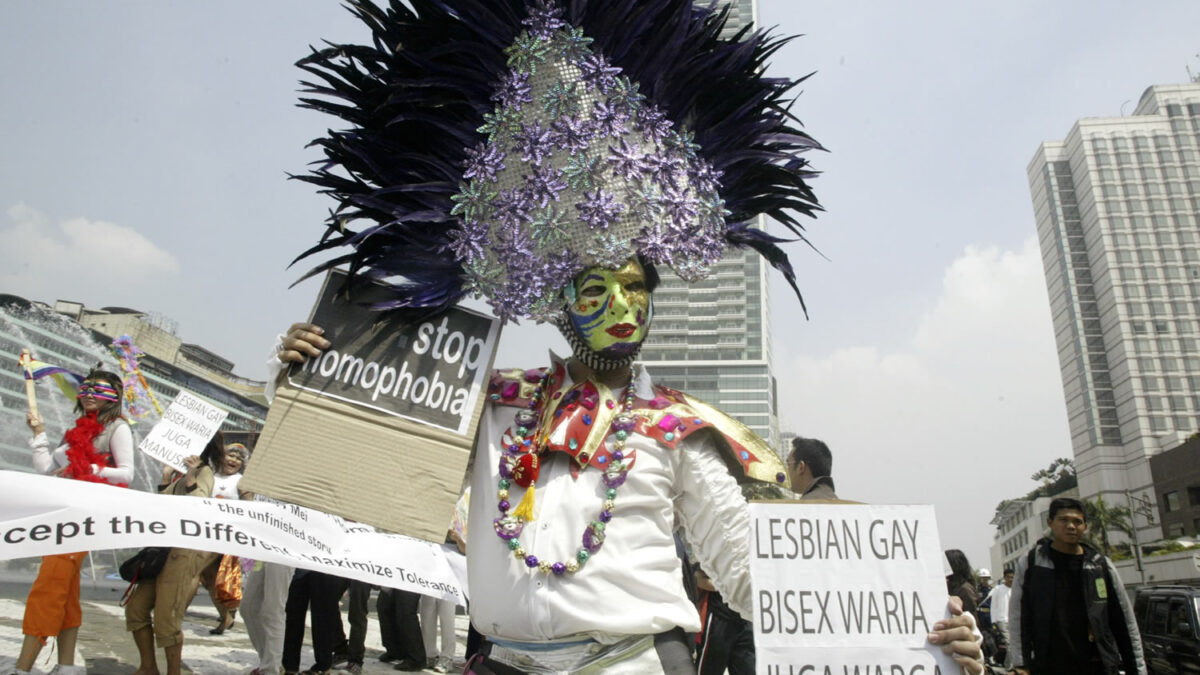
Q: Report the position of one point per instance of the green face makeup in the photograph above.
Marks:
(611, 308)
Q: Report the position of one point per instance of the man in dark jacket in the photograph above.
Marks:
(1069, 614)
(810, 467)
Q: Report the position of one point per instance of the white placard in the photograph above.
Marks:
(41, 515)
(846, 589)
(183, 431)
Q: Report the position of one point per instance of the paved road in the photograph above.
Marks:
(106, 648)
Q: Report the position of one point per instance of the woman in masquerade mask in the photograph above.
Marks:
(99, 449)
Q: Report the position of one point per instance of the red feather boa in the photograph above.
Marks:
(82, 454)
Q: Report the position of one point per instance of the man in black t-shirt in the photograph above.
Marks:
(1069, 614)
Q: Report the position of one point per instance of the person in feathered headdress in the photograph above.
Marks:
(550, 156)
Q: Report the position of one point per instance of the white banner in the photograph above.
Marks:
(43, 514)
(842, 589)
(184, 430)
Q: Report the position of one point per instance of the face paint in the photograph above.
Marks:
(98, 389)
(612, 313)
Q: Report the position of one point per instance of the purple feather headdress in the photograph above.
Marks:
(500, 147)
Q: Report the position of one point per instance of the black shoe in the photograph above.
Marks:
(388, 657)
(408, 665)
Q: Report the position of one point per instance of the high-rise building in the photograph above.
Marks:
(1116, 204)
(712, 338)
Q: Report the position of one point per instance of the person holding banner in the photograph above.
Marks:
(98, 448)
(549, 156)
(156, 607)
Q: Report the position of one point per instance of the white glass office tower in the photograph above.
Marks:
(711, 339)
(1116, 204)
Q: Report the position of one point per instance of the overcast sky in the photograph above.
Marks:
(144, 148)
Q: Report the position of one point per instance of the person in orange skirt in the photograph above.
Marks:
(99, 449)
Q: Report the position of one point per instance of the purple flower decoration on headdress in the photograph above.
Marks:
(599, 209)
(511, 207)
(513, 90)
(706, 178)
(466, 241)
(653, 123)
(626, 160)
(662, 168)
(544, 18)
(655, 245)
(596, 71)
(679, 204)
(483, 161)
(534, 142)
(543, 185)
(572, 134)
(609, 119)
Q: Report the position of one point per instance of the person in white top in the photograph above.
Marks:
(999, 607)
(545, 155)
(99, 449)
(225, 486)
(577, 458)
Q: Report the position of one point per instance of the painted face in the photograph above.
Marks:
(93, 394)
(611, 309)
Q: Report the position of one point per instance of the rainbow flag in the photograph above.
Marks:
(68, 382)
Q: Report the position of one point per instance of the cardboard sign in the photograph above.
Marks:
(844, 588)
(185, 428)
(41, 515)
(380, 427)
(428, 370)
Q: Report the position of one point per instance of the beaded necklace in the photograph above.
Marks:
(519, 464)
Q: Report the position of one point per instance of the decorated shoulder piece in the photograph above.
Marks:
(567, 421)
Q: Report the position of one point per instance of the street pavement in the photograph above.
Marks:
(107, 649)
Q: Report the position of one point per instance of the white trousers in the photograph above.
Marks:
(264, 594)
(443, 611)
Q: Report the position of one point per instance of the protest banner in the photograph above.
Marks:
(846, 589)
(380, 427)
(42, 515)
(183, 431)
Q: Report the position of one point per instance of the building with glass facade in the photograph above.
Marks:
(712, 339)
(1116, 204)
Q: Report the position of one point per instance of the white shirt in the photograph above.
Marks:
(120, 445)
(999, 596)
(225, 486)
(634, 584)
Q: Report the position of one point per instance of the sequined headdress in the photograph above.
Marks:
(500, 147)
